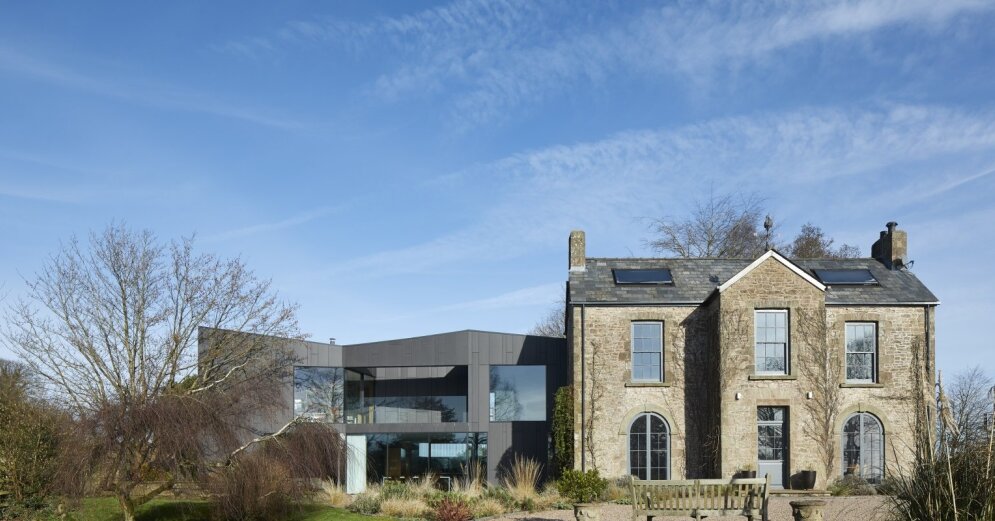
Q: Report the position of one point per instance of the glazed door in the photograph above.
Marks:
(772, 444)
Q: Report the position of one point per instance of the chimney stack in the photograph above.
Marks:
(892, 248)
(577, 249)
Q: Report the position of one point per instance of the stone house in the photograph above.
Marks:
(695, 368)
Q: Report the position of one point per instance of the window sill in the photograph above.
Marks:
(647, 384)
(772, 377)
(861, 386)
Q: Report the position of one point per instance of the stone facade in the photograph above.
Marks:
(710, 390)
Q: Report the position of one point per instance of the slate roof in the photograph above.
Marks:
(696, 279)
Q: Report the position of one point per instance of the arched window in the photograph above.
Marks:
(649, 447)
(863, 447)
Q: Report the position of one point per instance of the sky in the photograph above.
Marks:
(408, 168)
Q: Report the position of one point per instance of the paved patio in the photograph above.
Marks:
(866, 508)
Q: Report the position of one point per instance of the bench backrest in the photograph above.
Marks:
(700, 494)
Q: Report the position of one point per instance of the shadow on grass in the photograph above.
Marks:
(106, 509)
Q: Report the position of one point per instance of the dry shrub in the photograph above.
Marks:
(425, 486)
(550, 499)
(333, 495)
(404, 508)
(471, 483)
(486, 507)
(450, 509)
(618, 492)
(522, 479)
(258, 487)
(270, 480)
(368, 502)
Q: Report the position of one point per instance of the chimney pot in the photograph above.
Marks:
(891, 226)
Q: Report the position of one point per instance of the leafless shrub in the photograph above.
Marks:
(268, 481)
(452, 509)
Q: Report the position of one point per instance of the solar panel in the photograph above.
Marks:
(656, 276)
(846, 277)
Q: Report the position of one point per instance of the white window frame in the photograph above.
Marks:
(787, 342)
(846, 352)
(632, 350)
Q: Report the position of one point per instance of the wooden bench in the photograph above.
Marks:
(700, 498)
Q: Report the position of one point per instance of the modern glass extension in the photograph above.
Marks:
(318, 393)
(381, 394)
(517, 393)
(409, 457)
(406, 395)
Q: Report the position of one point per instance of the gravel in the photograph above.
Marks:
(865, 508)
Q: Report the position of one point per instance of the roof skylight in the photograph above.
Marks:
(644, 276)
(859, 277)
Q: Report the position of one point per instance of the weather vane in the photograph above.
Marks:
(768, 225)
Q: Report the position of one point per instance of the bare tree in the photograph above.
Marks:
(554, 322)
(112, 329)
(720, 226)
(812, 243)
(970, 406)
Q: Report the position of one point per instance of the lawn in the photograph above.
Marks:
(106, 509)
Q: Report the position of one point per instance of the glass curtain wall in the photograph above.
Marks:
(318, 393)
(518, 393)
(406, 394)
(409, 457)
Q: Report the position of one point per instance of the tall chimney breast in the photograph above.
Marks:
(892, 248)
(577, 250)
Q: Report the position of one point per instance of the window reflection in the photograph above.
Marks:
(406, 394)
(518, 393)
(409, 457)
(318, 393)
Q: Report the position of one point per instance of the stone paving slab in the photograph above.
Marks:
(866, 508)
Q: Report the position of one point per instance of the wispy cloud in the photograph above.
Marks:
(290, 222)
(609, 185)
(541, 295)
(137, 90)
(488, 57)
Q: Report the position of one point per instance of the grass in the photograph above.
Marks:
(106, 509)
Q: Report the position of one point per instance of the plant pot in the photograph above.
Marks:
(806, 479)
(748, 473)
(587, 512)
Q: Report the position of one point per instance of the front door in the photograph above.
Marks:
(772, 444)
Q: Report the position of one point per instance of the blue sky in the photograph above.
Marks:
(408, 168)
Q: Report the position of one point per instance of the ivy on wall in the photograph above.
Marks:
(563, 435)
